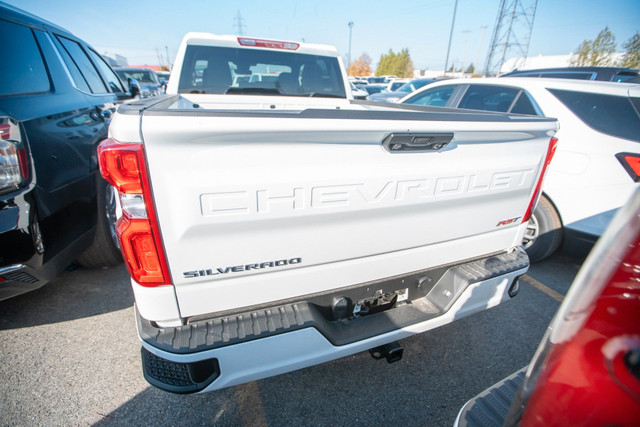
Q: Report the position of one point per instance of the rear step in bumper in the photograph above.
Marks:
(491, 407)
(268, 341)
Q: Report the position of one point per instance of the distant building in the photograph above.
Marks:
(152, 67)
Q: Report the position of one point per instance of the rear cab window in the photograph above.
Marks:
(22, 69)
(225, 70)
(609, 114)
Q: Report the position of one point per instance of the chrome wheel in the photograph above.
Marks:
(532, 233)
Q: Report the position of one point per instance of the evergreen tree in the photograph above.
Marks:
(596, 53)
(631, 56)
(395, 64)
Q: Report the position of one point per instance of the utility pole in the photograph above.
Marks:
(482, 28)
(511, 34)
(238, 22)
(453, 21)
(166, 49)
(349, 57)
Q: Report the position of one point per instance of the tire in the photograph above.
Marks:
(544, 232)
(105, 249)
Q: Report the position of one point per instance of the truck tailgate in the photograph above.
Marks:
(270, 206)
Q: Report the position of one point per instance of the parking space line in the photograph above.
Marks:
(250, 405)
(543, 288)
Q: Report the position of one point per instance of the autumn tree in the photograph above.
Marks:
(596, 53)
(395, 64)
(631, 56)
(361, 66)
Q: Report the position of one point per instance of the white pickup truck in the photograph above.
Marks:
(270, 222)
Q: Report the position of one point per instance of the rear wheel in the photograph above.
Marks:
(544, 231)
(105, 249)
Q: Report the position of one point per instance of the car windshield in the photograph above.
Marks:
(224, 70)
(142, 76)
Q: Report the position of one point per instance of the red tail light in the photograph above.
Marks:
(14, 158)
(553, 144)
(631, 163)
(5, 130)
(124, 167)
(271, 44)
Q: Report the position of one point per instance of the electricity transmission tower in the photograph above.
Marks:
(238, 22)
(511, 34)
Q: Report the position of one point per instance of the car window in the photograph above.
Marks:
(22, 69)
(76, 75)
(142, 76)
(609, 114)
(112, 80)
(436, 97)
(488, 98)
(84, 65)
(623, 76)
(524, 105)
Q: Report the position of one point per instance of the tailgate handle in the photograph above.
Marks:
(403, 142)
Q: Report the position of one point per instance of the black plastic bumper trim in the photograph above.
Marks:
(178, 377)
(491, 407)
(431, 293)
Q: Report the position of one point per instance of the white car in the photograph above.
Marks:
(597, 163)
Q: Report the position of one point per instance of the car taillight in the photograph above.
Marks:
(271, 44)
(551, 150)
(123, 165)
(14, 162)
(631, 163)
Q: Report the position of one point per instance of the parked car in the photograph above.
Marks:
(401, 92)
(376, 80)
(394, 84)
(145, 77)
(163, 78)
(597, 165)
(248, 221)
(586, 370)
(57, 95)
(357, 92)
(372, 88)
(609, 74)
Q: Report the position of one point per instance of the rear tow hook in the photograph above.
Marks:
(392, 352)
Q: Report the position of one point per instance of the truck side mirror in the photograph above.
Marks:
(134, 87)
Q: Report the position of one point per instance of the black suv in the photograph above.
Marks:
(609, 74)
(57, 95)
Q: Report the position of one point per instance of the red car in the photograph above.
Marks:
(586, 370)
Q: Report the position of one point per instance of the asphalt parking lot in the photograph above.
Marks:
(69, 355)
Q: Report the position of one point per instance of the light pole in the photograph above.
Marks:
(482, 28)
(349, 57)
(446, 61)
(466, 45)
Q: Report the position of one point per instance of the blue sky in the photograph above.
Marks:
(138, 28)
